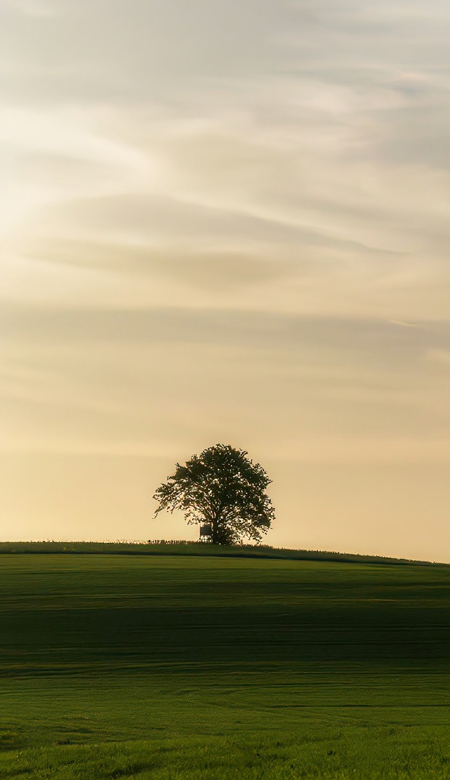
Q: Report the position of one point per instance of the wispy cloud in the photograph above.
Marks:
(32, 8)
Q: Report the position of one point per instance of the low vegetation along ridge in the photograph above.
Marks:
(181, 547)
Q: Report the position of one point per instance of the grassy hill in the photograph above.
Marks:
(198, 667)
(194, 548)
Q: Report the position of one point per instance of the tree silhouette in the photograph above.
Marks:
(223, 489)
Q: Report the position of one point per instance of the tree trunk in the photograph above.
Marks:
(215, 530)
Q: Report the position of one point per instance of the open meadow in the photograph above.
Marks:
(192, 667)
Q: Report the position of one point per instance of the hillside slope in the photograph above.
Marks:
(205, 668)
(195, 548)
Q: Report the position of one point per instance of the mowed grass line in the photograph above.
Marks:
(203, 667)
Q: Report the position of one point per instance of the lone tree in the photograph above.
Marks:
(224, 489)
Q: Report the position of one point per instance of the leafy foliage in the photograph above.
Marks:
(223, 488)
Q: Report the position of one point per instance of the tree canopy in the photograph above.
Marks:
(223, 489)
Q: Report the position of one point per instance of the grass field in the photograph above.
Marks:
(192, 667)
(193, 548)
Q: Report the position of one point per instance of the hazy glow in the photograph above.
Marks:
(227, 222)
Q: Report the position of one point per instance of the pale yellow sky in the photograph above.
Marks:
(226, 222)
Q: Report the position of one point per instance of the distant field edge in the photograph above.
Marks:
(199, 549)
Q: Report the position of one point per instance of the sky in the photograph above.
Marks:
(226, 221)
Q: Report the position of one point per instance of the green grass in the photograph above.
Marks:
(194, 548)
(191, 667)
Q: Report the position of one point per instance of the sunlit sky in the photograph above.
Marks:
(227, 221)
